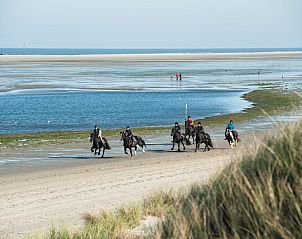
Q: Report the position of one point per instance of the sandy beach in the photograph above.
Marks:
(34, 198)
(168, 57)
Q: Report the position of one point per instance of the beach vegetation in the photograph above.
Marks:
(258, 196)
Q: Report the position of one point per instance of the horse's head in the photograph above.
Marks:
(91, 137)
(122, 133)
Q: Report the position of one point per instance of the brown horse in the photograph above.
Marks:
(98, 144)
(178, 138)
(132, 142)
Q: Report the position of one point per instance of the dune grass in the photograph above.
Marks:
(271, 102)
(258, 197)
(117, 224)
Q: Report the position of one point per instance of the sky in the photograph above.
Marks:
(151, 24)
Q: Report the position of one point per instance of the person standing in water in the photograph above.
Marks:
(179, 76)
(176, 76)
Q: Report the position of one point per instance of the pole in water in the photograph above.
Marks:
(186, 111)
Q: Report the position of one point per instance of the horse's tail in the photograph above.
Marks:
(106, 145)
(187, 141)
(210, 143)
(140, 141)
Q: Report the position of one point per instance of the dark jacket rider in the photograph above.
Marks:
(98, 132)
(199, 128)
(128, 133)
(177, 127)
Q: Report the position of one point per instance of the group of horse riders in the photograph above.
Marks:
(190, 130)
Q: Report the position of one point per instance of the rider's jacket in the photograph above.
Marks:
(230, 126)
(199, 128)
(128, 133)
(177, 128)
(190, 122)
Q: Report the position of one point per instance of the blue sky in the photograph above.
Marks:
(151, 24)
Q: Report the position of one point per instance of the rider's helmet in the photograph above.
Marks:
(231, 121)
(189, 117)
(199, 123)
(128, 127)
(176, 123)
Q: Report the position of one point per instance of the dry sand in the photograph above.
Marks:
(34, 199)
(173, 57)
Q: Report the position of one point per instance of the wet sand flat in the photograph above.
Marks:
(183, 57)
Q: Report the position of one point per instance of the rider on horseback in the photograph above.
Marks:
(230, 129)
(98, 132)
(177, 127)
(190, 122)
(129, 133)
(199, 128)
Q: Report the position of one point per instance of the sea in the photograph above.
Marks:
(63, 96)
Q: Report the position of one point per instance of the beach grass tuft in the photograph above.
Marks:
(259, 196)
(159, 203)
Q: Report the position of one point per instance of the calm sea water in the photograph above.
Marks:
(81, 110)
(65, 96)
(71, 51)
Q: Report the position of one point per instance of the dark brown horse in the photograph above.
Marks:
(178, 138)
(98, 144)
(190, 132)
(203, 138)
(132, 142)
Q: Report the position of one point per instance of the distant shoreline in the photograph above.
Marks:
(156, 57)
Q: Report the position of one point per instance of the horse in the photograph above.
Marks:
(178, 138)
(191, 132)
(130, 143)
(232, 138)
(203, 138)
(98, 144)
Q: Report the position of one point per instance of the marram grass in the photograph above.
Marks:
(257, 197)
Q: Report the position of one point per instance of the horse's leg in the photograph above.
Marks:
(142, 146)
(135, 148)
(182, 145)
(130, 151)
(92, 149)
(173, 145)
(125, 150)
(99, 151)
(231, 144)
(197, 146)
(103, 152)
(178, 147)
